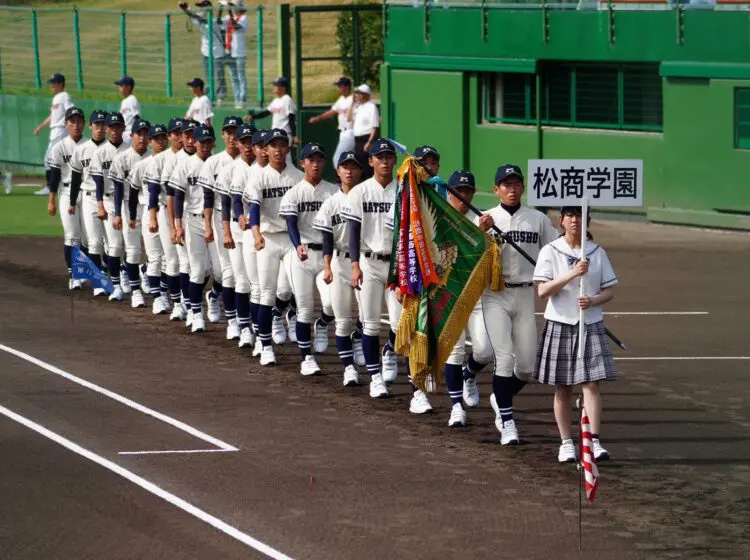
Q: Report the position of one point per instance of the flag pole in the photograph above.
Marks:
(582, 291)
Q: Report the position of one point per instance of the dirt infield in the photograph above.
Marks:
(325, 472)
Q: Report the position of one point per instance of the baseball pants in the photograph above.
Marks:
(152, 243)
(132, 238)
(306, 276)
(250, 257)
(222, 265)
(115, 242)
(511, 327)
(341, 293)
(236, 257)
(269, 266)
(374, 290)
(481, 348)
(93, 226)
(196, 247)
(72, 225)
(171, 259)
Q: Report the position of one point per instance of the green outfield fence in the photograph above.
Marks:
(94, 47)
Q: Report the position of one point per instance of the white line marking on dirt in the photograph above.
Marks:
(119, 398)
(148, 486)
(175, 451)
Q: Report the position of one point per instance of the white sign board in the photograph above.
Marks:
(565, 182)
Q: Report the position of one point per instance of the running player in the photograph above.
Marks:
(59, 180)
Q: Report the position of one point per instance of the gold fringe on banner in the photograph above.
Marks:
(497, 282)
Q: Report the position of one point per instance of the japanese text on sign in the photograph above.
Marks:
(560, 182)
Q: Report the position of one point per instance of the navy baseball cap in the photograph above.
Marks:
(174, 125)
(156, 130)
(114, 118)
(462, 179)
(97, 115)
(507, 170)
(423, 151)
(343, 81)
(125, 81)
(246, 130)
(381, 146)
(281, 81)
(140, 124)
(348, 156)
(189, 125)
(260, 136)
(203, 133)
(56, 78)
(73, 112)
(230, 122)
(277, 134)
(196, 82)
(312, 148)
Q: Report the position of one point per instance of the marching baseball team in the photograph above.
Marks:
(245, 230)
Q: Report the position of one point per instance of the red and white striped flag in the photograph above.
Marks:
(590, 472)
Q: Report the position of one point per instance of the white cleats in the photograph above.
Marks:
(471, 392)
(117, 294)
(291, 325)
(390, 366)
(213, 309)
(509, 435)
(419, 403)
(359, 354)
(498, 420)
(458, 418)
(198, 324)
(157, 308)
(267, 357)
(351, 377)
(378, 390)
(278, 332)
(233, 330)
(136, 300)
(567, 452)
(178, 312)
(258, 348)
(246, 337)
(320, 338)
(167, 302)
(309, 366)
(189, 318)
(74, 284)
(125, 282)
(600, 454)
(99, 292)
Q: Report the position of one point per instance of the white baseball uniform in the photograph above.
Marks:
(80, 162)
(509, 314)
(138, 181)
(346, 133)
(101, 163)
(304, 201)
(170, 162)
(120, 171)
(243, 240)
(152, 173)
(221, 186)
(60, 158)
(207, 179)
(61, 102)
(200, 109)
(129, 109)
(281, 108)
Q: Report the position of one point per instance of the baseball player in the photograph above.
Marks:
(463, 182)
(299, 206)
(509, 314)
(101, 162)
(158, 222)
(365, 119)
(369, 210)
(189, 203)
(139, 218)
(213, 228)
(200, 109)
(283, 112)
(130, 109)
(59, 180)
(61, 102)
(340, 109)
(81, 182)
(187, 127)
(269, 230)
(122, 164)
(337, 272)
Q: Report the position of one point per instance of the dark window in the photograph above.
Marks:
(742, 118)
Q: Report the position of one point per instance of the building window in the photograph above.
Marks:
(624, 97)
(742, 118)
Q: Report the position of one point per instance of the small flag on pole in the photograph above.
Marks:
(590, 471)
(84, 269)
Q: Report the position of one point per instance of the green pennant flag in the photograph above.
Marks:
(442, 263)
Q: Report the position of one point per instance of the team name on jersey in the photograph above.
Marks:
(66, 158)
(381, 207)
(275, 192)
(85, 162)
(337, 220)
(192, 181)
(522, 236)
(309, 206)
(106, 164)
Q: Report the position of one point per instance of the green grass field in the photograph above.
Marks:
(23, 213)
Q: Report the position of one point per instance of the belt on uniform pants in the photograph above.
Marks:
(519, 284)
(235, 219)
(338, 253)
(93, 193)
(66, 184)
(195, 215)
(315, 246)
(377, 256)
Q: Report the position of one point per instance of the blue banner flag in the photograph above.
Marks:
(84, 269)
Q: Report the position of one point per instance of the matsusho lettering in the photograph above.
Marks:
(275, 192)
(523, 236)
(309, 206)
(376, 206)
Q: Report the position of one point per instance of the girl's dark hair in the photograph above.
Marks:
(576, 210)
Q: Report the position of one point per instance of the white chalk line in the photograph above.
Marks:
(175, 451)
(148, 486)
(122, 400)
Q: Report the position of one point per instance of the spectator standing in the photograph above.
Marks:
(129, 106)
(61, 102)
(200, 107)
(235, 23)
(365, 120)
